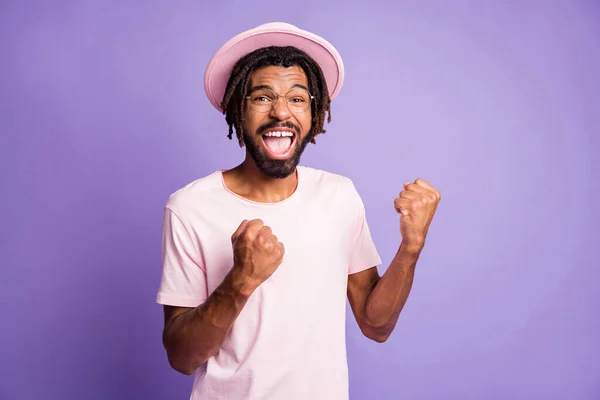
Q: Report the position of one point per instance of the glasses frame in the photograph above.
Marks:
(277, 95)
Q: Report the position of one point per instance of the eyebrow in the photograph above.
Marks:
(267, 87)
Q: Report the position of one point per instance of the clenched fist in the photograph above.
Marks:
(256, 251)
(416, 205)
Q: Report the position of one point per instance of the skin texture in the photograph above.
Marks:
(192, 335)
(238, 86)
(254, 178)
(377, 301)
(255, 124)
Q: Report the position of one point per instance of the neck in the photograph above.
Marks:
(248, 181)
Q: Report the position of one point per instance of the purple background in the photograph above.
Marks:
(103, 115)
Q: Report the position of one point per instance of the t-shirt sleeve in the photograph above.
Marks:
(183, 282)
(364, 254)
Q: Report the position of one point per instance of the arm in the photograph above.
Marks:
(192, 335)
(377, 301)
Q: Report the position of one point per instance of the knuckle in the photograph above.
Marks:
(254, 226)
(257, 223)
(268, 245)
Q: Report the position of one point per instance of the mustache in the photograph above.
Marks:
(276, 124)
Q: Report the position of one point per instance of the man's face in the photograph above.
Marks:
(276, 137)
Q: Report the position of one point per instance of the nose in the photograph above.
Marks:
(280, 109)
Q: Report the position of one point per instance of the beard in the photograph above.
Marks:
(277, 169)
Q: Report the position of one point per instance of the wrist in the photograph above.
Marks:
(241, 282)
(411, 247)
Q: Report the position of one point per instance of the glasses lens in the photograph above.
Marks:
(262, 100)
(298, 100)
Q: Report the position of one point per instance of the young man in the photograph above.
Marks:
(258, 260)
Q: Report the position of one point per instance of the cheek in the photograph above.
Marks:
(248, 124)
(305, 122)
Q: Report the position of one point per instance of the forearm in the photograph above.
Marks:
(388, 296)
(196, 335)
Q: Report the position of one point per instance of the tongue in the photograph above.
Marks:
(278, 145)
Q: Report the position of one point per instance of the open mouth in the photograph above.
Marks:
(279, 143)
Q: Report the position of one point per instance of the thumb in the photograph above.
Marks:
(239, 230)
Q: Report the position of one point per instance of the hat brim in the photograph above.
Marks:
(220, 66)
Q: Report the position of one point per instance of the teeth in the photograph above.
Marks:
(279, 134)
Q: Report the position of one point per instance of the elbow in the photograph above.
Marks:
(183, 370)
(187, 372)
(377, 337)
(377, 329)
(179, 357)
(181, 361)
(185, 367)
(379, 334)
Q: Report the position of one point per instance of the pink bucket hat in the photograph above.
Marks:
(220, 66)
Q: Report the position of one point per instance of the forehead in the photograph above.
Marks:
(278, 78)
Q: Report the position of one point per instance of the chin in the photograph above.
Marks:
(277, 168)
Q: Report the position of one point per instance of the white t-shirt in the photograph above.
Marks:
(289, 340)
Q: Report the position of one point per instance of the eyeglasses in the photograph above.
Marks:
(298, 100)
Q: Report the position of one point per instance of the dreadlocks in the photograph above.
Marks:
(238, 85)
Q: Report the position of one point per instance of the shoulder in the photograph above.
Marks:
(195, 193)
(332, 187)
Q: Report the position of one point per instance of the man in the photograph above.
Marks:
(258, 260)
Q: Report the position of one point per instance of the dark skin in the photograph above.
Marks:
(192, 335)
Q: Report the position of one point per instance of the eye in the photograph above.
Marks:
(297, 100)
